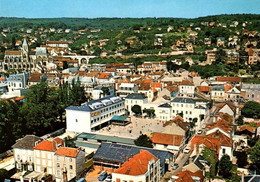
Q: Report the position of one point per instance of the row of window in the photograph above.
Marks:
(65, 166)
(182, 105)
(106, 116)
(186, 112)
(111, 107)
(64, 159)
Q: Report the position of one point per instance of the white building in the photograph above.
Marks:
(24, 152)
(190, 108)
(135, 99)
(127, 88)
(91, 116)
(186, 88)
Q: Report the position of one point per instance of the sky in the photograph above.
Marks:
(125, 8)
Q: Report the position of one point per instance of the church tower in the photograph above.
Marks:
(25, 46)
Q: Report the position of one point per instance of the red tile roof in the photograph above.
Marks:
(228, 79)
(138, 165)
(58, 140)
(186, 176)
(104, 75)
(246, 127)
(186, 82)
(68, 152)
(166, 139)
(230, 104)
(35, 77)
(156, 85)
(1, 79)
(204, 88)
(178, 120)
(222, 124)
(13, 52)
(19, 98)
(46, 146)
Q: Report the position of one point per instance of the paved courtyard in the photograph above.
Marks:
(135, 128)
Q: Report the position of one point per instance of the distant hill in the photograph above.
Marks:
(116, 23)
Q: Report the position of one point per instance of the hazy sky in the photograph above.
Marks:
(125, 8)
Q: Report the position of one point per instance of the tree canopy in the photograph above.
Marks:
(136, 109)
(225, 166)
(251, 110)
(144, 141)
(254, 155)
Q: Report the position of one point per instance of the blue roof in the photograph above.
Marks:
(183, 100)
(119, 118)
(87, 105)
(118, 153)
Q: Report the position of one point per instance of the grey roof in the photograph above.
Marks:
(28, 142)
(252, 178)
(136, 96)
(165, 105)
(118, 153)
(87, 106)
(199, 160)
(105, 138)
(183, 100)
(218, 88)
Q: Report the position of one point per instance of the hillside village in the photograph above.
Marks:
(167, 100)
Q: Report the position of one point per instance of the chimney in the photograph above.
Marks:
(190, 160)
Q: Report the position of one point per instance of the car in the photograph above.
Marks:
(186, 150)
(175, 166)
(102, 176)
(200, 132)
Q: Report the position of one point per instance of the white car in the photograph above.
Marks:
(200, 132)
(186, 150)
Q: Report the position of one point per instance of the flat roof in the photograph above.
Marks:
(107, 138)
(119, 118)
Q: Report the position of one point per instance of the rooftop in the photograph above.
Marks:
(138, 165)
(68, 152)
(136, 96)
(166, 139)
(183, 100)
(27, 142)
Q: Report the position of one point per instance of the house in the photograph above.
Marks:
(163, 112)
(227, 107)
(127, 88)
(105, 158)
(36, 78)
(190, 109)
(141, 167)
(17, 81)
(232, 57)
(218, 93)
(216, 141)
(233, 94)
(197, 163)
(135, 99)
(105, 78)
(211, 56)
(221, 126)
(24, 152)
(44, 156)
(220, 42)
(206, 90)
(250, 92)
(69, 163)
(90, 116)
(246, 130)
(164, 141)
(176, 126)
(186, 88)
(188, 176)
(253, 56)
(60, 44)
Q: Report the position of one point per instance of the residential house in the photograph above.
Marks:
(176, 126)
(126, 88)
(188, 176)
(164, 112)
(164, 141)
(227, 107)
(253, 56)
(211, 56)
(220, 42)
(186, 89)
(24, 152)
(141, 167)
(69, 163)
(44, 156)
(251, 92)
(17, 81)
(233, 94)
(232, 57)
(218, 93)
(135, 99)
(36, 78)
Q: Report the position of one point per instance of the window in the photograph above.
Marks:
(58, 165)
(71, 167)
(18, 157)
(76, 120)
(71, 175)
(224, 151)
(70, 159)
(58, 158)
(58, 173)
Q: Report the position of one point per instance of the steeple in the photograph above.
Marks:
(25, 46)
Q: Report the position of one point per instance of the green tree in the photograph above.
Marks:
(209, 155)
(225, 166)
(3, 174)
(77, 94)
(144, 141)
(240, 120)
(137, 109)
(251, 110)
(149, 112)
(254, 155)
(105, 91)
(69, 142)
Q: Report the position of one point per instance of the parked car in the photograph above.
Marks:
(186, 150)
(175, 166)
(102, 176)
(200, 132)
